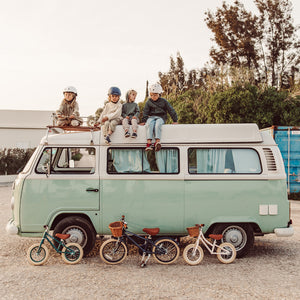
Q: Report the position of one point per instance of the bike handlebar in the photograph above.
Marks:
(123, 221)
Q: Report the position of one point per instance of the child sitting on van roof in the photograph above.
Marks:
(130, 114)
(155, 115)
(111, 114)
(68, 112)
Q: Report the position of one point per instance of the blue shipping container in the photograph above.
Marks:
(288, 140)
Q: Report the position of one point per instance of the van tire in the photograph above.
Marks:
(81, 230)
(240, 235)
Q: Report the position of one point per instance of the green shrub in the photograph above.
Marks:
(13, 160)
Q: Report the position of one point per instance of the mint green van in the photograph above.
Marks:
(229, 177)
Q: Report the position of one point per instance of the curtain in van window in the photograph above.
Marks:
(130, 161)
(210, 160)
(167, 160)
(246, 161)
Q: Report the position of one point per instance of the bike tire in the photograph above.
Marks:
(224, 257)
(113, 251)
(191, 258)
(72, 257)
(165, 251)
(36, 257)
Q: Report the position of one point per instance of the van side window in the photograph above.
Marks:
(66, 160)
(223, 160)
(137, 160)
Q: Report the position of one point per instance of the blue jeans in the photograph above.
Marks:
(153, 127)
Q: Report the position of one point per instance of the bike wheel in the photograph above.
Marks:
(193, 256)
(72, 253)
(37, 255)
(224, 256)
(113, 251)
(165, 251)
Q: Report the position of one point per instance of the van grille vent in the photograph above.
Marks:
(271, 164)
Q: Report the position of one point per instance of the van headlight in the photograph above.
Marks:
(12, 203)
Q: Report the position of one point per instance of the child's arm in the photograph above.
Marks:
(76, 111)
(137, 111)
(100, 119)
(116, 114)
(123, 111)
(59, 112)
(172, 112)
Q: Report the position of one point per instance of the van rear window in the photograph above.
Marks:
(223, 161)
(137, 160)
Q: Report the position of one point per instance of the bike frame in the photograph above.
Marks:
(148, 240)
(211, 247)
(46, 236)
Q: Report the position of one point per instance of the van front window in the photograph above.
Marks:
(68, 160)
(223, 160)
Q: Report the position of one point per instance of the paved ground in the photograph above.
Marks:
(270, 271)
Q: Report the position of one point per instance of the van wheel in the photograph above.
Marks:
(81, 231)
(239, 235)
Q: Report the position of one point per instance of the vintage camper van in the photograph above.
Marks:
(229, 177)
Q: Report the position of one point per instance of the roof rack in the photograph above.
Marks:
(60, 129)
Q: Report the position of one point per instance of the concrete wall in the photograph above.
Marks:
(20, 138)
(6, 180)
(23, 128)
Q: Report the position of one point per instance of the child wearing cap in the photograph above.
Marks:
(111, 114)
(130, 114)
(68, 112)
(155, 114)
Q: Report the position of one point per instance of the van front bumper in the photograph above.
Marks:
(11, 228)
(284, 232)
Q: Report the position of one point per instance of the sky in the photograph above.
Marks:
(95, 44)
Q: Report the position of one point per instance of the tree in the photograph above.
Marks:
(266, 43)
(235, 34)
(282, 45)
(173, 82)
(147, 91)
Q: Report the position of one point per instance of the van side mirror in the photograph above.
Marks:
(47, 169)
(71, 163)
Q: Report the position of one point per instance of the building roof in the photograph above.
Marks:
(13, 119)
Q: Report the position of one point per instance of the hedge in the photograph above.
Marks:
(13, 160)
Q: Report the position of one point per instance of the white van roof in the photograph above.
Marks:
(171, 134)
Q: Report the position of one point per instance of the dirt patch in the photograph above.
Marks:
(270, 271)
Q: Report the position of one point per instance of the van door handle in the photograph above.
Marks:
(92, 190)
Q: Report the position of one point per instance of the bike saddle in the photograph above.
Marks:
(216, 237)
(62, 236)
(151, 231)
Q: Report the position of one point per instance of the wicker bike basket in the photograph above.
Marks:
(193, 231)
(116, 228)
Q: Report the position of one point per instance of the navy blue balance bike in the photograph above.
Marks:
(114, 251)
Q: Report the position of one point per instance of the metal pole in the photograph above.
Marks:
(288, 174)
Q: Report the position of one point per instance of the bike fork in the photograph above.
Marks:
(196, 246)
(144, 262)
